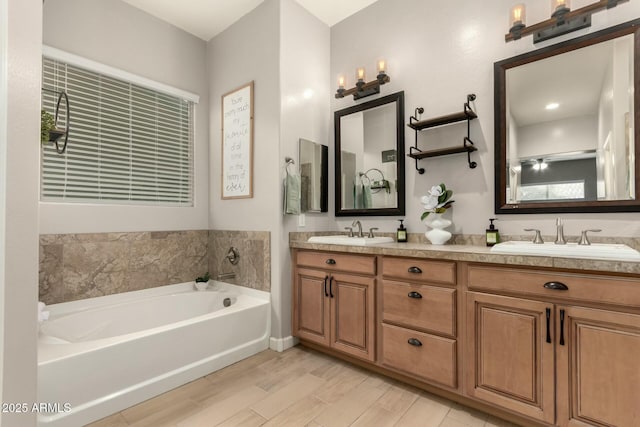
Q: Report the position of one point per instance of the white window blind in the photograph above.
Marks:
(128, 144)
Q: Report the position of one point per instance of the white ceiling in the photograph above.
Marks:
(574, 80)
(207, 18)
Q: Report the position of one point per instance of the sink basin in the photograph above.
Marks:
(570, 250)
(346, 240)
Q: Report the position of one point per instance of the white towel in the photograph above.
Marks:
(42, 314)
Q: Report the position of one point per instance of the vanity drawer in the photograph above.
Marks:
(429, 357)
(430, 308)
(337, 262)
(581, 287)
(415, 269)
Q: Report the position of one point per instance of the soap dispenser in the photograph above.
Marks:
(401, 235)
(493, 236)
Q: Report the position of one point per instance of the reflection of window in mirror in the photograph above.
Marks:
(568, 133)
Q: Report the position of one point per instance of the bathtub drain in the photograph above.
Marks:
(226, 302)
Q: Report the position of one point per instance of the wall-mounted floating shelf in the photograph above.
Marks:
(467, 146)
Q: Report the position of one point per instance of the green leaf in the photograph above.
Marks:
(424, 215)
(445, 196)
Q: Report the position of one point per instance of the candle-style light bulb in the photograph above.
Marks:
(518, 17)
(382, 66)
(360, 74)
(341, 82)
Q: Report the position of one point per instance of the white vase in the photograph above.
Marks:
(437, 235)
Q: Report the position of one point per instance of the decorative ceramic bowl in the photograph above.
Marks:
(202, 286)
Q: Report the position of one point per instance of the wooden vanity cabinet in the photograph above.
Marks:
(334, 301)
(541, 353)
(509, 361)
(598, 368)
(555, 347)
(418, 319)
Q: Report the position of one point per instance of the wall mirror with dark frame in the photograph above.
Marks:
(314, 176)
(369, 158)
(567, 125)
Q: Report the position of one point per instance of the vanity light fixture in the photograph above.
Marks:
(563, 20)
(362, 88)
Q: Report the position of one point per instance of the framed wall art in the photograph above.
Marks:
(237, 143)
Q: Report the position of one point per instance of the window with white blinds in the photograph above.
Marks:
(127, 144)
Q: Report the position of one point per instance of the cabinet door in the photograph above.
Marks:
(598, 368)
(509, 361)
(352, 315)
(311, 307)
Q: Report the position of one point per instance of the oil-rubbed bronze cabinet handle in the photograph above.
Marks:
(556, 286)
(414, 294)
(326, 294)
(331, 287)
(331, 261)
(416, 270)
(548, 314)
(415, 342)
(561, 327)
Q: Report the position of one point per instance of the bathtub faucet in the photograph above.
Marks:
(223, 276)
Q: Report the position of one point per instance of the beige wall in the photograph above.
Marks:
(3, 170)
(19, 231)
(304, 67)
(438, 52)
(249, 50)
(114, 33)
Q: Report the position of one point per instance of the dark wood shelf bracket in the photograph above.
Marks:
(467, 145)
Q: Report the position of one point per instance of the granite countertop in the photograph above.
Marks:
(475, 253)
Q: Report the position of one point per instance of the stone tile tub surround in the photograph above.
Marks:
(79, 266)
(254, 266)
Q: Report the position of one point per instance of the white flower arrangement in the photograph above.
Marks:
(437, 200)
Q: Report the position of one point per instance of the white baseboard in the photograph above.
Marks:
(282, 344)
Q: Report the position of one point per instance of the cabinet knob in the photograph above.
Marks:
(415, 342)
(414, 294)
(416, 270)
(556, 286)
(331, 261)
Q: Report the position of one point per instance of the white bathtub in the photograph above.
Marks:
(101, 355)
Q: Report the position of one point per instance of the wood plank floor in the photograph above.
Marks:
(298, 387)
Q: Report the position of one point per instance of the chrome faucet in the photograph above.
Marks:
(584, 240)
(356, 222)
(560, 240)
(538, 238)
